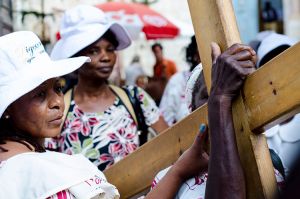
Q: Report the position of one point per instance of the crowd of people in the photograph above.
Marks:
(56, 140)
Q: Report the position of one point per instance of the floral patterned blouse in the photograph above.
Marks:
(105, 137)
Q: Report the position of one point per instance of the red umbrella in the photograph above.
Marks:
(136, 17)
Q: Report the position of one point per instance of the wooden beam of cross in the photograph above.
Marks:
(217, 23)
(268, 97)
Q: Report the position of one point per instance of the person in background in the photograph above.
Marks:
(173, 104)
(284, 138)
(163, 68)
(133, 71)
(98, 124)
(259, 37)
(162, 72)
(31, 109)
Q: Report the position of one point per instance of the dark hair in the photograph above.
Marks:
(156, 45)
(9, 133)
(191, 50)
(273, 53)
(108, 35)
(111, 37)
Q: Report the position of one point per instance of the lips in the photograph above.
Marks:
(57, 120)
(105, 69)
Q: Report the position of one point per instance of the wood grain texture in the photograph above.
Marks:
(136, 172)
(213, 21)
(269, 95)
(142, 165)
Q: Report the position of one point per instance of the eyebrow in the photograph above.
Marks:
(56, 79)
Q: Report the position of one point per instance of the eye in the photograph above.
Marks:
(41, 94)
(59, 89)
(59, 86)
(111, 49)
(93, 51)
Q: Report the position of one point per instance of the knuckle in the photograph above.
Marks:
(236, 45)
(223, 57)
(228, 61)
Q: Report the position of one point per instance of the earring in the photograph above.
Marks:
(7, 117)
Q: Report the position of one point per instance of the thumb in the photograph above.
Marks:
(215, 52)
(200, 138)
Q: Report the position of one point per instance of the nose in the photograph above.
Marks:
(104, 55)
(56, 101)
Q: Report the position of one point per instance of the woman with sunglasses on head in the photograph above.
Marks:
(99, 124)
(31, 109)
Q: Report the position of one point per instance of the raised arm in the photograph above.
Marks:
(228, 73)
(192, 162)
(225, 178)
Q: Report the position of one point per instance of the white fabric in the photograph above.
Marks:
(82, 26)
(191, 83)
(24, 64)
(132, 72)
(285, 141)
(193, 188)
(41, 175)
(272, 41)
(173, 105)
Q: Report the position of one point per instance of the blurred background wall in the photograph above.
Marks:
(43, 17)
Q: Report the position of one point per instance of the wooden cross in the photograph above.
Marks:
(269, 96)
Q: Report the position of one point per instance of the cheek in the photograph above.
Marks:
(29, 120)
(86, 67)
(113, 57)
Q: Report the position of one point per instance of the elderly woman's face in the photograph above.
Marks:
(103, 59)
(39, 112)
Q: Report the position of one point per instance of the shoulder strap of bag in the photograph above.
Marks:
(277, 163)
(124, 97)
(67, 99)
(142, 126)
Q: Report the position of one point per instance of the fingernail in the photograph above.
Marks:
(202, 128)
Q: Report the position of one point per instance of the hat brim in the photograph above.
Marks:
(36, 75)
(84, 36)
(271, 42)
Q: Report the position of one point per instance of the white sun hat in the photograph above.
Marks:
(24, 65)
(82, 26)
(272, 41)
(191, 84)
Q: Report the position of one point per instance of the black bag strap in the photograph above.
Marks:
(277, 163)
(142, 126)
(125, 99)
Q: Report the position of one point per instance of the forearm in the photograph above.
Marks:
(160, 125)
(225, 171)
(168, 187)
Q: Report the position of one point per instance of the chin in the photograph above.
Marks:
(52, 133)
(103, 76)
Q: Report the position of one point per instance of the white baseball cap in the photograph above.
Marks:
(24, 65)
(82, 26)
(272, 41)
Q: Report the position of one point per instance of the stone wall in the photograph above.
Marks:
(291, 18)
(6, 25)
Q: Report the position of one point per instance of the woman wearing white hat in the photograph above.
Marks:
(31, 109)
(98, 123)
